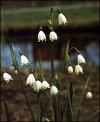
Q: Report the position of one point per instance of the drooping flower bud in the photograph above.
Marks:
(70, 69)
(78, 69)
(41, 36)
(37, 86)
(62, 19)
(81, 59)
(7, 77)
(53, 36)
(89, 95)
(30, 80)
(24, 60)
(16, 72)
(45, 85)
(54, 90)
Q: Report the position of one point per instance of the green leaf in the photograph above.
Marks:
(66, 56)
(14, 60)
(83, 93)
(15, 64)
(51, 15)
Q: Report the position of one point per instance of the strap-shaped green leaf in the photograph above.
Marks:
(66, 55)
(14, 60)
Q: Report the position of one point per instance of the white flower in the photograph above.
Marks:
(70, 69)
(24, 60)
(30, 79)
(62, 19)
(7, 77)
(37, 86)
(78, 69)
(53, 36)
(89, 95)
(45, 85)
(54, 90)
(41, 36)
(81, 59)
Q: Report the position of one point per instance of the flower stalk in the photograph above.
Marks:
(83, 93)
(69, 111)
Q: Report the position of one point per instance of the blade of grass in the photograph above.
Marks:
(83, 92)
(15, 63)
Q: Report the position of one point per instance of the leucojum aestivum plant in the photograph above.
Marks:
(38, 83)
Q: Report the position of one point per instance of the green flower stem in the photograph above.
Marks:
(27, 101)
(69, 105)
(48, 96)
(7, 113)
(54, 107)
(75, 49)
(38, 106)
(69, 111)
(83, 92)
(40, 65)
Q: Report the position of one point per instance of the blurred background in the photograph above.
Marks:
(20, 21)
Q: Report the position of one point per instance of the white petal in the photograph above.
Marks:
(37, 86)
(81, 59)
(70, 69)
(53, 36)
(7, 77)
(30, 79)
(41, 36)
(78, 69)
(24, 60)
(89, 95)
(62, 19)
(54, 90)
(45, 85)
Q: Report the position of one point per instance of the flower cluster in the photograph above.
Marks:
(52, 36)
(24, 61)
(78, 68)
(38, 85)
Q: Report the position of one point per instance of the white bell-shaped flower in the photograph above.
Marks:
(24, 60)
(53, 36)
(37, 86)
(78, 69)
(54, 90)
(62, 19)
(89, 95)
(7, 77)
(41, 36)
(70, 69)
(30, 80)
(81, 59)
(45, 85)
